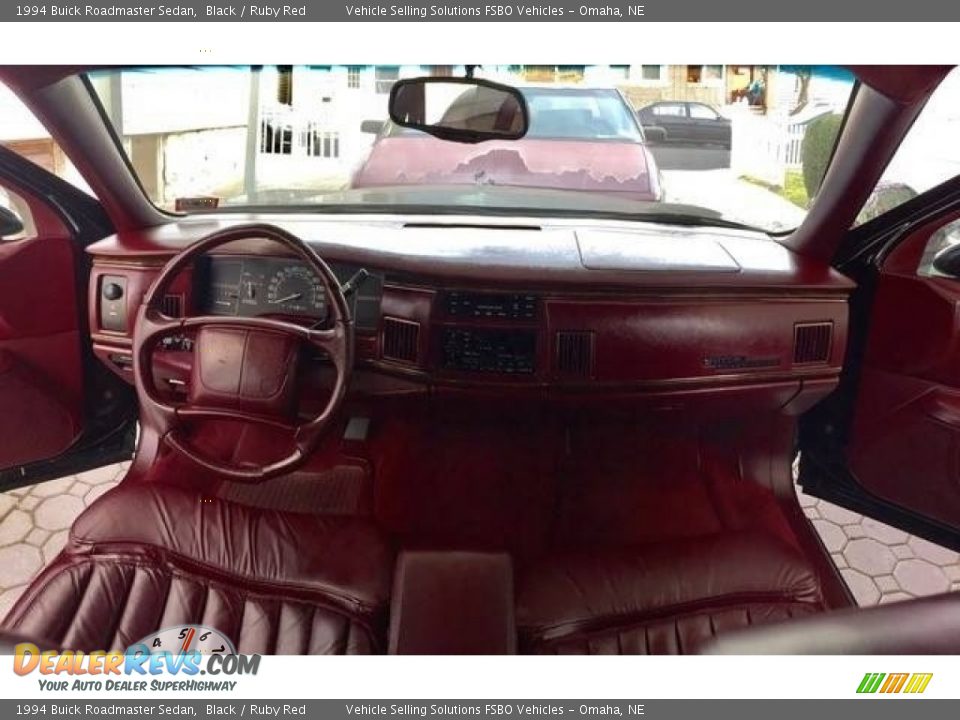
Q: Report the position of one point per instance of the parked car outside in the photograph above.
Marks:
(585, 139)
(685, 122)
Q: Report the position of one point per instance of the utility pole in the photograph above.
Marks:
(253, 134)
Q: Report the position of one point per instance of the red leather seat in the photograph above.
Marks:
(149, 556)
(661, 599)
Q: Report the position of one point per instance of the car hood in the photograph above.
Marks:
(594, 166)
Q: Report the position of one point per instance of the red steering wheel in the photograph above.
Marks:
(244, 368)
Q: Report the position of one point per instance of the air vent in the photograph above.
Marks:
(172, 306)
(401, 340)
(811, 342)
(574, 353)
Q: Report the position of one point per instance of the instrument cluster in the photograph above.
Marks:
(252, 286)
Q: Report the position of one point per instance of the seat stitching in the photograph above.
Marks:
(599, 625)
(76, 608)
(558, 644)
(100, 548)
(123, 606)
(166, 598)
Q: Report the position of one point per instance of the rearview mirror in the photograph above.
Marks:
(10, 222)
(463, 110)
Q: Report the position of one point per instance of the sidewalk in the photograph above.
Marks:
(722, 190)
(34, 522)
(879, 563)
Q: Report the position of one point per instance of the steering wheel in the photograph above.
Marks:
(244, 368)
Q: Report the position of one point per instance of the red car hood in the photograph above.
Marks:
(595, 166)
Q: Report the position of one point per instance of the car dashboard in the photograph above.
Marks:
(562, 311)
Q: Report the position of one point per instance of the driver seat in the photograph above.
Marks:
(149, 556)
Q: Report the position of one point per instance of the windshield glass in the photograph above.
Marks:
(698, 143)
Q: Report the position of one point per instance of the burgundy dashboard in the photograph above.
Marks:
(558, 310)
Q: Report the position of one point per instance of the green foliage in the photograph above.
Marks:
(818, 142)
(794, 189)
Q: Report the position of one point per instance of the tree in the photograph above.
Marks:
(817, 148)
(803, 90)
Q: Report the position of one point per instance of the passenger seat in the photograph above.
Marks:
(668, 598)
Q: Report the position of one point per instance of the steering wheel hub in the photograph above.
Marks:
(244, 369)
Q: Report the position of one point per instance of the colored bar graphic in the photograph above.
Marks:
(870, 682)
(894, 683)
(918, 682)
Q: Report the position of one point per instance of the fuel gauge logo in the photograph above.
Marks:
(181, 639)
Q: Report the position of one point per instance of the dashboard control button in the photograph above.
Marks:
(112, 291)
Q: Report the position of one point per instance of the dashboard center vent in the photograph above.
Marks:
(811, 342)
(574, 353)
(172, 306)
(401, 340)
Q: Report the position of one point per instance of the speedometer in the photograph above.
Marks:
(294, 289)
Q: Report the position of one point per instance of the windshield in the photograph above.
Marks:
(703, 143)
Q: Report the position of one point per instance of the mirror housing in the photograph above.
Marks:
(654, 134)
(947, 261)
(466, 110)
(372, 127)
(10, 222)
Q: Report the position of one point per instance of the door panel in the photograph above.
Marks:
(705, 125)
(905, 441)
(41, 364)
(672, 117)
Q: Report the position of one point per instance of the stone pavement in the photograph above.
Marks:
(880, 564)
(34, 522)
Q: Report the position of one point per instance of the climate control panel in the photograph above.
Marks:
(508, 352)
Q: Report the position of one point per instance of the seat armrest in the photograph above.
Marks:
(930, 626)
(452, 603)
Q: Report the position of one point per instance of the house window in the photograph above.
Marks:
(353, 76)
(712, 74)
(276, 138)
(620, 72)
(385, 77)
(704, 74)
(651, 73)
(324, 144)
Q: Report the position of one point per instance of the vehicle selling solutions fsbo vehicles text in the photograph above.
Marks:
(499, 11)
